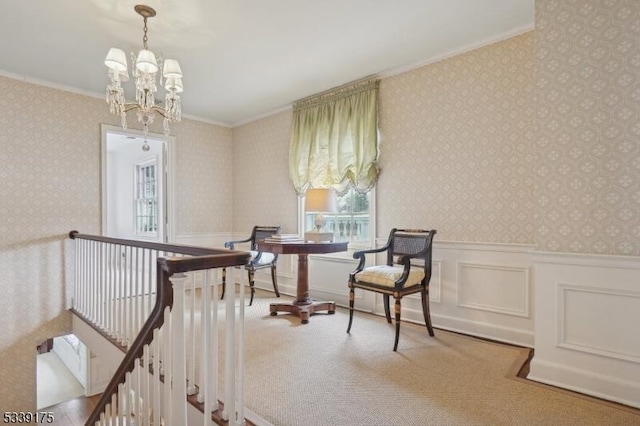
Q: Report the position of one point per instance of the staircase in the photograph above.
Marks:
(158, 304)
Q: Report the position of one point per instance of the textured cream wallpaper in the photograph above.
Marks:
(49, 185)
(587, 175)
(456, 152)
(204, 189)
(457, 146)
(263, 192)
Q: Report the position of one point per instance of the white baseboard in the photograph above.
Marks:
(587, 382)
(510, 335)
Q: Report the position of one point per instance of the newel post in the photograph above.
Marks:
(178, 383)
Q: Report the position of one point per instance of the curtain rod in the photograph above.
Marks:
(334, 89)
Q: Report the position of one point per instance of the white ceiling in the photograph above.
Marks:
(246, 58)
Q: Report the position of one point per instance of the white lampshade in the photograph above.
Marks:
(171, 69)
(174, 83)
(146, 62)
(321, 200)
(116, 60)
(123, 76)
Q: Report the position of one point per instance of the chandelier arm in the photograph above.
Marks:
(130, 106)
(160, 110)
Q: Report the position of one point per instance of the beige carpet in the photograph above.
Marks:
(317, 374)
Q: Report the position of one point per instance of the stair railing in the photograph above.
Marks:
(138, 294)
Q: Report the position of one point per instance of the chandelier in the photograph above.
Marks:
(145, 71)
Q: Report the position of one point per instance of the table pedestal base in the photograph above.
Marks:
(303, 309)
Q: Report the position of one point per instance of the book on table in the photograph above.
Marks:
(284, 238)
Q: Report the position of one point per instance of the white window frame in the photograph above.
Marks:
(136, 196)
(360, 245)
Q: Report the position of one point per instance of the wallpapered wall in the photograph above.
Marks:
(49, 185)
(456, 151)
(587, 67)
(457, 146)
(263, 193)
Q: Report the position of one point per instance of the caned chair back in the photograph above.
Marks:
(262, 232)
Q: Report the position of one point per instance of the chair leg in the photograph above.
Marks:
(274, 278)
(387, 312)
(251, 285)
(397, 309)
(224, 282)
(352, 298)
(425, 311)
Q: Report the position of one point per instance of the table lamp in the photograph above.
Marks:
(319, 201)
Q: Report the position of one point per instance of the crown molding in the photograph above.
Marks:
(395, 71)
(382, 75)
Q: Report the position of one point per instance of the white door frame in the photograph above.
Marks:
(170, 171)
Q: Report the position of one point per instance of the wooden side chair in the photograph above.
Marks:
(258, 260)
(399, 276)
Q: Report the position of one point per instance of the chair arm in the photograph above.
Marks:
(229, 244)
(406, 262)
(361, 254)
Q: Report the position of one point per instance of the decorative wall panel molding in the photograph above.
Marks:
(587, 311)
(494, 288)
(435, 285)
(608, 332)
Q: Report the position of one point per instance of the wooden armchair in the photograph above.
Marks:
(399, 276)
(258, 260)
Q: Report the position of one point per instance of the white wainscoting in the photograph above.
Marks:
(586, 326)
(582, 311)
(478, 289)
(483, 289)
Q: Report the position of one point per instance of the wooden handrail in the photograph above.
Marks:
(172, 248)
(166, 267)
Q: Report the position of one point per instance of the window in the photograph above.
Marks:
(334, 143)
(353, 221)
(146, 201)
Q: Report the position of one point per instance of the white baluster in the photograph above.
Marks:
(138, 309)
(204, 394)
(114, 409)
(118, 293)
(240, 355)
(99, 285)
(111, 290)
(228, 413)
(146, 385)
(215, 341)
(76, 275)
(192, 356)
(82, 278)
(128, 299)
(151, 281)
(178, 355)
(126, 400)
(94, 281)
(90, 280)
(156, 377)
(166, 365)
(137, 391)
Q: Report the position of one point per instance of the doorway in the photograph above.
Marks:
(136, 185)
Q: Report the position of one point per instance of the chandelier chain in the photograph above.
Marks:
(144, 38)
